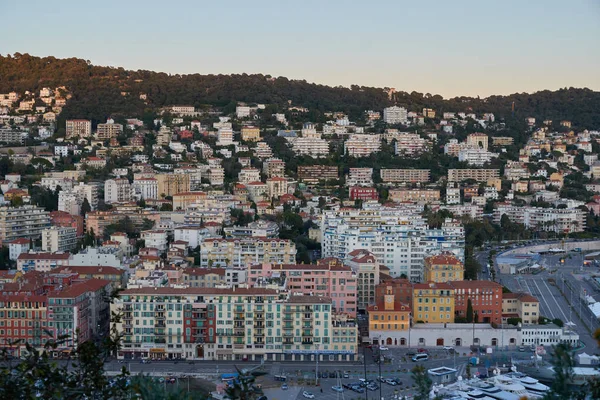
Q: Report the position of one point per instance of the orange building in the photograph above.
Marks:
(485, 296)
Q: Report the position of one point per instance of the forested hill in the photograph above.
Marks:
(97, 93)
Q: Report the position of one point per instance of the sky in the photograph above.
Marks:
(447, 47)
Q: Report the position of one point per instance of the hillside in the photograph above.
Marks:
(97, 93)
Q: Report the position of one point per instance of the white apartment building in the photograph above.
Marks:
(155, 239)
(248, 174)
(360, 177)
(398, 239)
(69, 201)
(453, 147)
(89, 192)
(309, 130)
(50, 182)
(262, 150)
(452, 194)
(117, 191)
(216, 175)
(242, 111)
(57, 239)
(410, 144)
(10, 135)
(192, 234)
(477, 157)
(78, 127)
(566, 220)
(240, 252)
(313, 147)
(478, 141)
(145, 188)
(22, 222)
(183, 110)
(362, 145)
(395, 115)
(257, 191)
(225, 137)
(404, 175)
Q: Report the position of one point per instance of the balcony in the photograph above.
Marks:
(259, 326)
(159, 316)
(307, 342)
(288, 317)
(160, 325)
(239, 346)
(259, 334)
(239, 333)
(288, 334)
(288, 342)
(159, 333)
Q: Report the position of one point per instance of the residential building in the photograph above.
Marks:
(31, 310)
(404, 175)
(277, 187)
(429, 113)
(395, 115)
(480, 175)
(257, 191)
(193, 235)
(398, 237)
(387, 315)
(22, 222)
(248, 174)
(171, 184)
(240, 252)
(250, 134)
(145, 188)
(64, 219)
(78, 128)
(108, 130)
(327, 278)
(308, 146)
(557, 220)
(477, 157)
(443, 267)
(360, 177)
(156, 239)
(414, 195)
(502, 141)
(225, 137)
(363, 193)
(316, 173)
(18, 246)
(242, 111)
(410, 144)
(216, 175)
(59, 239)
(273, 168)
(260, 228)
(42, 262)
(485, 298)
(69, 201)
(362, 145)
(10, 135)
(204, 277)
(520, 305)
(367, 270)
(478, 141)
(433, 302)
(117, 191)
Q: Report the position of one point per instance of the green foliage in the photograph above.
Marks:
(422, 381)
(85, 207)
(558, 322)
(243, 388)
(469, 311)
(563, 363)
(45, 198)
(514, 321)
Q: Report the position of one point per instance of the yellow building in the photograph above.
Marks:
(433, 302)
(443, 268)
(520, 305)
(388, 314)
(182, 200)
(171, 184)
(250, 134)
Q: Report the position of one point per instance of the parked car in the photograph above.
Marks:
(390, 381)
(372, 387)
(332, 375)
(420, 357)
(521, 348)
(324, 375)
(308, 395)
(284, 386)
(346, 375)
(337, 389)
(449, 348)
(383, 348)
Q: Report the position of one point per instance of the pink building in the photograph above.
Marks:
(329, 278)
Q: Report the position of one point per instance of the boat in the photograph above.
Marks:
(492, 391)
(514, 386)
(531, 384)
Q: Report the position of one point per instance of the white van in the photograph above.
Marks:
(420, 357)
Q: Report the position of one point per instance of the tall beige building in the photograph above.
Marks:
(171, 184)
(78, 127)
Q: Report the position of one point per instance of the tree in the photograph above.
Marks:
(423, 382)
(85, 207)
(243, 388)
(563, 363)
(558, 322)
(469, 311)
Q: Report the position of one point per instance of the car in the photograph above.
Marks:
(381, 379)
(332, 375)
(383, 348)
(145, 361)
(324, 375)
(390, 381)
(449, 348)
(346, 375)
(521, 348)
(372, 387)
(284, 386)
(338, 389)
(358, 389)
(308, 395)
(421, 357)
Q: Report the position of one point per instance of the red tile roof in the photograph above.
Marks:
(43, 256)
(521, 297)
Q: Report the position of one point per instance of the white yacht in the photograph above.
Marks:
(513, 386)
(493, 391)
(532, 385)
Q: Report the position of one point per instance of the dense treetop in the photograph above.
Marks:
(97, 93)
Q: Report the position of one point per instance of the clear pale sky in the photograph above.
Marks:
(460, 47)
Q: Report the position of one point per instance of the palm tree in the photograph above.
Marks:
(243, 388)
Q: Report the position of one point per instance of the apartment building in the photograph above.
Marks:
(69, 201)
(145, 188)
(78, 128)
(277, 187)
(108, 130)
(64, 219)
(362, 193)
(171, 184)
(117, 191)
(502, 141)
(565, 220)
(250, 134)
(429, 113)
(240, 252)
(414, 195)
(388, 314)
(395, 115)
(156, 239)
(216, 175)
(480, 175)
(362, 145)
(410, 144)
(398, 237)
(433, 302)
(520, 305)
(22, 222)
(308, 146)
(477, 157)
(453, 147)
(10, 135)
(248, 174)
(478, 141)
(204, 277)
(42, 262)
(404, 175)
(182, 201)
(327, 278)
(263, 150)
(485, 298)
(274, 168)
(360, 177)
(225, 137)
(367, 270)
(443, 267)
(59, 239)
(29, 327)
(316, 173)
(231, 324)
